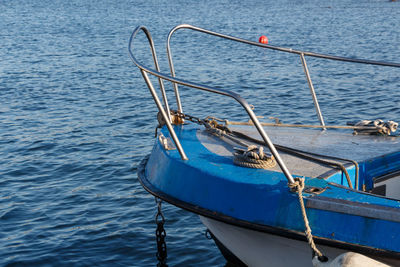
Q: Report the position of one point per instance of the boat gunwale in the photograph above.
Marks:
(283, 232)
(230, 219)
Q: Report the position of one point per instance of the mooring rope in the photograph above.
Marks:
(298, 186)
(378, 127)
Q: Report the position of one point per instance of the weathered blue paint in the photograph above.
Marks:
(262, 197)
(340, 177)
(379, 166)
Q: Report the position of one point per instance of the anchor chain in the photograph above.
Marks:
(177, 118)
(187, 117)
(211, 123)
(160, 236)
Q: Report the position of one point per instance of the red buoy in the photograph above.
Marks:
(263, 39)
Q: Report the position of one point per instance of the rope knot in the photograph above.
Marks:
(298, 185)
(214, 127)
(253, 153)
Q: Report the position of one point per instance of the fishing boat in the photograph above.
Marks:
(275, 194)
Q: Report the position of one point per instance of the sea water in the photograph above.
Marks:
(76, 117)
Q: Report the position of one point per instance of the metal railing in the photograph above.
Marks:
(302, 55)
(165, 111)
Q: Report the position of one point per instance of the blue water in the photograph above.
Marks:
(76, 117)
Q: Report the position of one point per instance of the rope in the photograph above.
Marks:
(365, 126)
(227, 122)
(253, 159)
(298, 187)
(219, 130)
(308, 155)
(381, 127)
(249, 158)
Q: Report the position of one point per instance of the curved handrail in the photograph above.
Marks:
(302, 55)
(283, 49)
(183, 82)
(154, 54)
(161, 76)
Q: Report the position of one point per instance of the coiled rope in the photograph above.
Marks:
(309, 156)
(381, 127)
(253, 157)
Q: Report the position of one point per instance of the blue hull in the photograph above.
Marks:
(210, 185)
(352, 181)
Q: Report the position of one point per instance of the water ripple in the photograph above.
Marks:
(76, 118)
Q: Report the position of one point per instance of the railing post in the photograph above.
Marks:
(171, 66)
(153, 52)
(164, 114)
(310, 84)
(271, 146)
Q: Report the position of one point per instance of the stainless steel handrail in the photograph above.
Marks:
(283, 49)
(165, 113)
(302, 55)
(157, 66)
(172, 78)
(145, 71)
(311, 86)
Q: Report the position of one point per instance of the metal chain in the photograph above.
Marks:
(181, 116)
(211, 123)
(160, 236)
(187, 117)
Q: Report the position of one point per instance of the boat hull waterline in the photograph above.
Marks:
(166, 189)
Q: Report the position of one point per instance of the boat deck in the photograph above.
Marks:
(360, 148)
